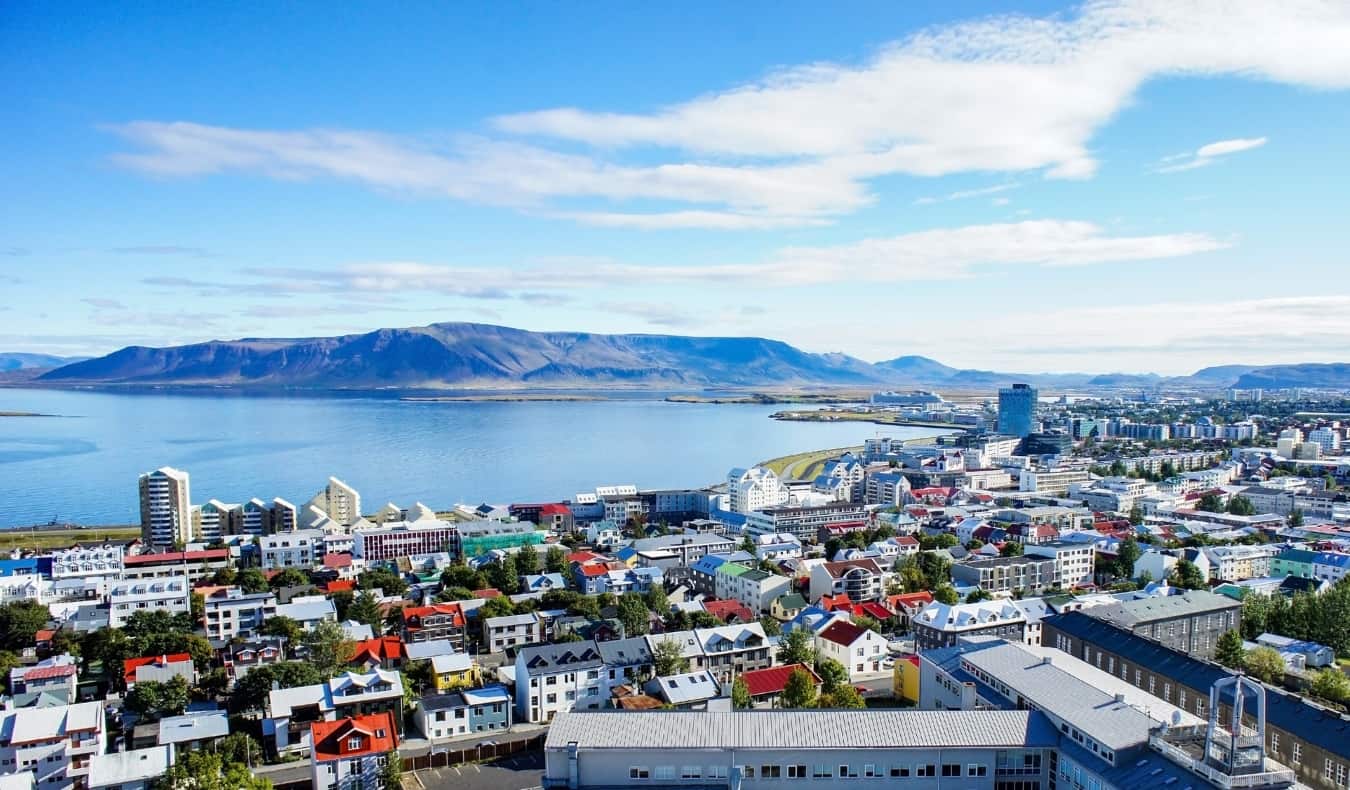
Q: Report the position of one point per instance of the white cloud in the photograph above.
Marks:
(966, 193)
(1004, 94)
(1207, 155)
(941, 254)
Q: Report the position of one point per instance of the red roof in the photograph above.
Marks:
(774, 679)
(380, 649)
(337, 560)
(594, 569)
(177, 556)
(873, 610)
(831, 602)
(584, 556)
(130, 666)
(725, 610)
(912, 600)
(906, 540)
(332, 739)
(554, 510)
(47, 673)
(45, 635)
(842, 633)
(418, 612)
(489, 592)
(340, 585)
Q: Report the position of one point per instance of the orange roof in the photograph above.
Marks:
(594, 569)
(584, 556)
(910, 600)
(332, 560)
(130, 666)
(340, 585)
(418, 612)
(831, 602)
(374, 732)
(45, 635)
(379, 649)
(489, 592)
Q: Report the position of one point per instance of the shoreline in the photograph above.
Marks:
(836, 416)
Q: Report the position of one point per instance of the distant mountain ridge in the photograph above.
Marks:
(468, 355)
(15, 360)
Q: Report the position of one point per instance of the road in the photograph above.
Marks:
(521, 772)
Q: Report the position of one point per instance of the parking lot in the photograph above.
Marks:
(521, 772)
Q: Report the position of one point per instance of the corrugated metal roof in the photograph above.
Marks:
(784, 729)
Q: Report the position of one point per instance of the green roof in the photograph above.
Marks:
(792, 601)
(731, 569)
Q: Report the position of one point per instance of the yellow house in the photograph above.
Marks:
(455, 671)
(906, 678)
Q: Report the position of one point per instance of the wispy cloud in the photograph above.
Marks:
(104, 304)
(966, 193)
(1003, 94)
(162, 249)
(1207, 155)
(654, 313)
(942, 254)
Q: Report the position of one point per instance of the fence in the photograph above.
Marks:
(448, 755)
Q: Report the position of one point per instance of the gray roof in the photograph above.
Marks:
(625, 652)
(565, 656)
(806, 730)
(1063, 695)
(681, 539)
(193, 727)
(685, 688)
(1166, 607)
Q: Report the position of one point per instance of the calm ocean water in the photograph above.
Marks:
(82, 466)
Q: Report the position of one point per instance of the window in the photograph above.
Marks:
(717, 772)
(899, 771)
(796, 772)
(770, 772)
(1297, 756)
(821, 772)
(691, 772)
(870, 771)
(925, 770)
(951, 769)
(353, 743)
(638, 772)
(977, 770)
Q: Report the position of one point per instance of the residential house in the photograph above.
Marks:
(766, 685)
(193, 731)
(554, 678)
(291, 711)
(56, 675)
(626, 660)
(133, 769)
(434, 622)
(308, 610)
(515, 630)
(786, 607)
(351, 752)
(379, 652)
(685, 691)
(464, 713)
(861, 580)
(776, 547)
(542, 582)
(251, 654)
(753, 587)
(231, 613)
(728, 650)
(941, 625)
(1294, 562)
(1331, 566)
(160, 669)
(55, 744)
(859, 650)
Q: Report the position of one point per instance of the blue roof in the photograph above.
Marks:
(26, 566)
(1315, 725)
(1333, 559)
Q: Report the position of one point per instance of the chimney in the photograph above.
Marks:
(1047, 661)
(1120, 698)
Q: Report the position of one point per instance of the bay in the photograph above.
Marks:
(81, 465)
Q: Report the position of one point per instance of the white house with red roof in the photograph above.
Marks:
(858, 649)
(160, 669)
(351, 752)
(766, 685)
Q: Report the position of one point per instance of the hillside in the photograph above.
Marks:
(472, 355)
(16, 360)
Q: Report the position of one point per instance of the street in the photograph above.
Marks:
(521, 772)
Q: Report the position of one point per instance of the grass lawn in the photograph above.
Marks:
(804, 466)
(57, 538)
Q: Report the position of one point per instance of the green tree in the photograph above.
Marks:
(667, 658)
(844, 697)
(1229, 651)
(365, 609)
(703, 620)
(327, 648)
(153, 700)
(225, 577)
(740, 694)
(797, 647)
(555, 560)
(527, 560)
(1296, 517)
(747, 545)
(290, 577)
(1186, 575)
(1265, 663)
(633, 613)
(1117, 468)
(832, 547)
(1332, 684)
(1210, 503)
(657, 601)
(978, 595)
(8, 661)
(252, 580)
(251, 690)
(831, 673)
(239, 747)
(461, 575)
(1127, 554)
(454, 594)
(910, 575)
(19, 623)
(771, 626)
(799, 691)
(419, 674)
(384, 580)
(868, 623)
(197, 607)
(502, 575)
(205, 770)
(942, 540)
(1241, 506)
(945, 593)
(391, 771)
(1011, 548)
(281, 625)
(498, 606)
(1136, 515)
(145, 624)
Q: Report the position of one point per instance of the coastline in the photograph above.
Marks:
(826, 415)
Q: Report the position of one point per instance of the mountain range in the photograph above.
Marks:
(467, 355)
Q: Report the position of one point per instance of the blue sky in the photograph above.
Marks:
(1118, 186)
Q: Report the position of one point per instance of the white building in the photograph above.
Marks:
(512, 630)
(776, 547)
(604, 535)
(350, 753)
(85, 560)
(551, 679)
(1073, 561)
(232, 612)
(55, 743)
(301, 548)
(1327, 439)
(859, 650)
(308, 610)
(1051, 481)
(337, 501)
(158, 595)
(166, 509)
(753, 489)
(136, 769)
(290, 711)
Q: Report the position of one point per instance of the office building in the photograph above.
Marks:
(1017, 410)
(166, 509)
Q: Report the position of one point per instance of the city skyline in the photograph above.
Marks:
(1059, 188)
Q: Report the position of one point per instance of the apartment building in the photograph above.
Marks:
(54, 744)
(942, 625)
(1237, 562)
(514, 630)
(552, 679)
(166, 508)
(291, 711)
(406, 538)
(803, 521)
(301, 548)
(755, 588)
(1054, 482)
(336, 502)
(162, 595)
(1003, 575)
(725, 651)
(1073, 561)
(465, 713)
(231, 613)
(85, 560)
(685, 549)
(437, 621)
(860, 579)
(191, 565)
(754, 489)
(1191, 622)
